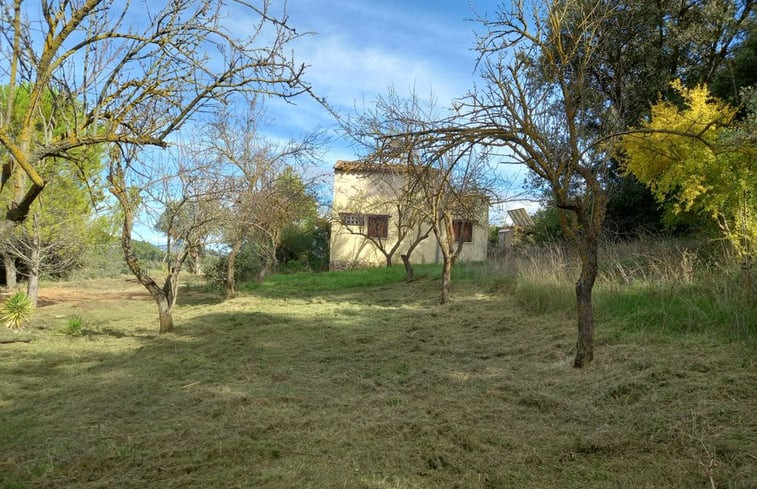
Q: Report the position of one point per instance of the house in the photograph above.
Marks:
(371, 219)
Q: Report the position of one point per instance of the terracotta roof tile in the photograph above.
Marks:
(367, 166)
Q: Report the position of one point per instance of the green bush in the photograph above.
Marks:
(546, 228)
(246, 267)
(16, 310)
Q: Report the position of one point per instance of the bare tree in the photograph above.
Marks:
(130, 84)
(260, 190)
(536, 107)
(448, 182)
(166, 187)
(122, 81)
(52, 249)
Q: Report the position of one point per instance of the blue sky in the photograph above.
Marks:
(360, 48)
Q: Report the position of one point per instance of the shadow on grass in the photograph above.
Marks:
(351, 389)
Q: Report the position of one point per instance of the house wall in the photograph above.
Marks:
(373, 193)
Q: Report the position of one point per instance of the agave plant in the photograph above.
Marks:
(16, 310)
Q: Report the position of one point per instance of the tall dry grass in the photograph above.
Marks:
(656, 285)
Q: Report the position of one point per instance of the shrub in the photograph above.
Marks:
(16, 310)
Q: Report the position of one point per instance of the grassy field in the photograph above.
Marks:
(357, 380)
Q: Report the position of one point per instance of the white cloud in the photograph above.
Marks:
(347, 73)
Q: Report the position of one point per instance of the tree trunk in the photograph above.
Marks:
(446, 278)
(388, 261)
(9, 261)
(584, 287)
(410, 274)
(32, 286)
(263, 271)
(231, 279)
(165, 313)
(406, 257)
(195, 262)
(165, 297)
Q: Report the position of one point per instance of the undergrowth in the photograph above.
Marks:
(658, 286)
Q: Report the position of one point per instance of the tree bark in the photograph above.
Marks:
(9, 261)
(165, 313)
(195, 262)
(263, 272)
(410, 274)
(446, 278)
(584, 287)
(231, 280)
(32, 286)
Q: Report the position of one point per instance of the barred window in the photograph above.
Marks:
(352, 219)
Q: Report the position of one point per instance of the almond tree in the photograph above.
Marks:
(127, 74)
(535, 107)
(447, 184)
(166, 185)
(134, 72)
(259, 191)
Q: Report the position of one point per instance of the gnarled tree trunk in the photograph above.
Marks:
(32, 286)
(165, 296)
(584, 287)
(9, 261)
(165, 313)
(409, 273)
(446, 278)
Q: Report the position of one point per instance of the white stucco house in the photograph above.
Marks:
(366, 218)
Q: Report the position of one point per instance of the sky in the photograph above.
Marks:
(355, 50)
(358, 49)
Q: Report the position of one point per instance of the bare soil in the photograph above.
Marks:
(56, 295)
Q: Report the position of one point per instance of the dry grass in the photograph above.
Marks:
(375, 387)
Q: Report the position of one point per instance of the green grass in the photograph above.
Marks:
(658, 287)
(364, 381)
(309, 283)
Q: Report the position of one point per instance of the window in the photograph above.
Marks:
(352, 219)
(463, 230)
(378, 226)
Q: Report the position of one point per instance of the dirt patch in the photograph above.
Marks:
(56, 295)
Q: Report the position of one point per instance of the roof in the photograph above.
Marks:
(520, 218)
(367, 166)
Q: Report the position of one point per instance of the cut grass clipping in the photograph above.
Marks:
(374, 386)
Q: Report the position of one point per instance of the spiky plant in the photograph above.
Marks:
(16, 310)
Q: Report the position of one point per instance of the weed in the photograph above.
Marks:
(74, 327)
